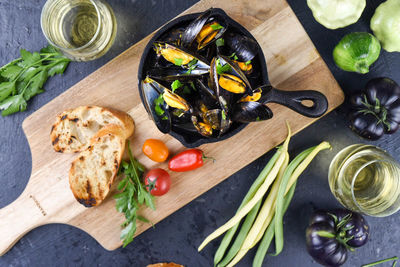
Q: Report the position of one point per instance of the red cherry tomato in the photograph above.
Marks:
(158, 182)
(187, 160)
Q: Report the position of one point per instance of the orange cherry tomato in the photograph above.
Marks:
(156, 150)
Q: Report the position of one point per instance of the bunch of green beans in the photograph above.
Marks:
(263, 218)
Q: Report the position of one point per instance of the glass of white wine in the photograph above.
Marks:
(366, 179)
(82, 29)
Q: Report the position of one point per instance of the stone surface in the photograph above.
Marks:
(177, 237)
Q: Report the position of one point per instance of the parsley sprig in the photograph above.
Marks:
(133, 195)
(23, 78)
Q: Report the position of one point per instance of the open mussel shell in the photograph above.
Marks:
(204, 30)
(244, 47)
(247, 112)
(181, 57)
(207, 95)
(218, 119)
(151, 90)
(232, 81)
(170, 74)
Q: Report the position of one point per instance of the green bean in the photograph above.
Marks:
(253, 189)
(242, 235)
(269, 233)
(292, 174)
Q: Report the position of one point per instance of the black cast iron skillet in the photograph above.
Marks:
(291, 99)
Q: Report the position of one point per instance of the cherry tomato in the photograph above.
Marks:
(187, 160)
(158, 182)
(156, 150)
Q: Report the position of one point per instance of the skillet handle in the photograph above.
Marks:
(293, 100)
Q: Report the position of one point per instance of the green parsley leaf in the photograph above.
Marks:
(220, 42)
(223, 115)
(158, 102)
(13, 105)
(247, 62)
(178, 61)
(235, 57)
(258, 119)
(222, 69)
(11, 72)
(134, 193)
(176, 85)
(6, 89)
(233, 54)
(25, 77)
(216, 27)
(192, 63)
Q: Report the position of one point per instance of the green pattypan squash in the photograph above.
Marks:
(335, 14)
(356, 52)
(386, 25)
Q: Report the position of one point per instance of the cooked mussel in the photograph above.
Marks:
(243, 47)
(232, 83)
(202, 128)
(257, 93)
(155, 105)
(247, 112)
(206, 29)
(172, 73)
(178, 56)
(174, 100)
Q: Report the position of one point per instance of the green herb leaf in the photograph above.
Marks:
(223, 115)
(235, 57)
(216, 27)
(11, 72)
(13, 105)
(222, 69)
(143, 219)
(158, 102)
(178, 61)
(133, 194)
(192, 65)
(233, 54)
(247, 62)
(24, 77)
(36, 84)
(220, 42)
(6, 88)
(58, 68)
(175, 85)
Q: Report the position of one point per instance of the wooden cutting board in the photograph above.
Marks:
(293, 64)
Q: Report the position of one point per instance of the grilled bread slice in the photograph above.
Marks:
(95, 169)
(74, 128)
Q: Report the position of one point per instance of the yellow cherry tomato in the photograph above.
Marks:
(156, 150)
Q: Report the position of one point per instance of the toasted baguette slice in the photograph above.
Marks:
(74, 128)
(95, 169)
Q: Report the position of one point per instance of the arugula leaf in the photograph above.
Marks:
(133, 194)
(220, 42)
(178, 61)
(216, 26)
(176, 85)
(24, 77)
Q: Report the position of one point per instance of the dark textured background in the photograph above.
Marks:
(177, 237)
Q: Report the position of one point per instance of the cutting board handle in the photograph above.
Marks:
(17, 219)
